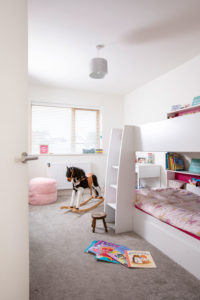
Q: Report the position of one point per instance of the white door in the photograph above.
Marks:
(13, 132)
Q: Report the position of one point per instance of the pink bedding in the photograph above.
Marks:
(179, 208)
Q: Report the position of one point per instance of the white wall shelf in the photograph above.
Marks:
(183, 111)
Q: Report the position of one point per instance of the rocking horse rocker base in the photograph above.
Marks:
(80, 182)
(77, 210)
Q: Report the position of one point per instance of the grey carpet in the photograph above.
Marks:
(59, 268)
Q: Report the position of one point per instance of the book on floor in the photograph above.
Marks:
(118, 256)
(92, 244)
(96, 248)
(139, 259)
(104, 255)
(100, 252)
(102, 248)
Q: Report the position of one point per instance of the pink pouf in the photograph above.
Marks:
(42, 191)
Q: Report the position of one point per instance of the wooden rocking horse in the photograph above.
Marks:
(80, 182)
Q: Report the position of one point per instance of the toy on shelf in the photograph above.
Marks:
(176, 107)
(80, 182)
(179, 106)
(194, 182)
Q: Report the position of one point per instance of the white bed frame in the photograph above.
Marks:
(172, 135)
(179, 246)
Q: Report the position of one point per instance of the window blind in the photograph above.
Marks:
(64, 129)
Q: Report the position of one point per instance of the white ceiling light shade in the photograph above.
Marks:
(98, 66)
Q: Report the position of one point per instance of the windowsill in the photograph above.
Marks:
(70, 154)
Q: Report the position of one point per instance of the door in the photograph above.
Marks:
(13, 131)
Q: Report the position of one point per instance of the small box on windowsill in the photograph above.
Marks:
(88, 151)
(44, 149)
(99, 150)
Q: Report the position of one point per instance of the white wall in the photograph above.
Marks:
(151, 102)
(112, 116)
(14, 255)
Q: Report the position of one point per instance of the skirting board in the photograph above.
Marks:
(180, 247)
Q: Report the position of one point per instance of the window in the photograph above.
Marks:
(64, 129)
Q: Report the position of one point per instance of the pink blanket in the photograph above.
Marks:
(179, 208)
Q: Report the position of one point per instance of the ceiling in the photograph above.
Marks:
(143, 39)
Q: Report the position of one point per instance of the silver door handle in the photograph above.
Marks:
(25, 157)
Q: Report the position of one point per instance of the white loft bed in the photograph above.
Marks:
(172, 135)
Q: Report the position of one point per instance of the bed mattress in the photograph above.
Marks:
(179, 208)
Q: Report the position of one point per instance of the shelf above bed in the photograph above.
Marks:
(184, 111)
(184, 172)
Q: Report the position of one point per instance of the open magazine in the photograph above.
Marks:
(139, 259)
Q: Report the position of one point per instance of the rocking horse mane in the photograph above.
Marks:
(77, 173)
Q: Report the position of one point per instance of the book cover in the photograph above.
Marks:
(170, 161)
(96, 248)
(174, 162)
(139, 259)
(179, 164)
(104, 255)
(119, 257)
(166, 161)
(91, 245)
